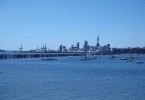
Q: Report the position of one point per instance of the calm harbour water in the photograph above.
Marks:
(72, 79)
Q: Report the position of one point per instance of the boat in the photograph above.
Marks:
(69, 56)
(112, 56)
(85, 58)
(129, 58)
(48, 58)
(99, 56)
(117, 55)
(93, 57)
(123, 58)
(139, 62)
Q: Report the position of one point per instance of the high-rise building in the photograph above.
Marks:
(78, 45)
(60, 48)
(64, 49)
(108, 45)
(72, 47)
(85, 47)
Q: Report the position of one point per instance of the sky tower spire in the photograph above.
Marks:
(98, 44)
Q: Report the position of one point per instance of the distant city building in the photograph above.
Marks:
(105, 49)
(108, 45)
(78, 45)
(64, 49)
(60, 48)
(72, 47)
(93, 48)
(85, 47)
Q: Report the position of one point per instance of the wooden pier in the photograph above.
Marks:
(15, 55)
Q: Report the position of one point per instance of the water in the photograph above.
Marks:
(72, 79)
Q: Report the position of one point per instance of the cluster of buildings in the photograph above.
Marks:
(97, 49)
(76, 48)
(87, 48)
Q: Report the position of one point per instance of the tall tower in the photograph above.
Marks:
(98, 44)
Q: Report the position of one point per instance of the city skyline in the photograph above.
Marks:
(33, 23)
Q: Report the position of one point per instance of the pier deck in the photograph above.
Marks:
(15, 55)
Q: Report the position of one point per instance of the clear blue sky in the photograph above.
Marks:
(53, 22)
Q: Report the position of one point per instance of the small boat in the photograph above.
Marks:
(49, 58)
(93, 57)
(123, 59)
(69, 56)
(85, 58)
(117, 55)
(139, 62)
(112, 57)
(99, 56)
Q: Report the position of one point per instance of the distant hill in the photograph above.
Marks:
(2, 50)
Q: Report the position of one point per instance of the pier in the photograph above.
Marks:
(16, 55)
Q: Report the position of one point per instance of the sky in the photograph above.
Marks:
(32, 23)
